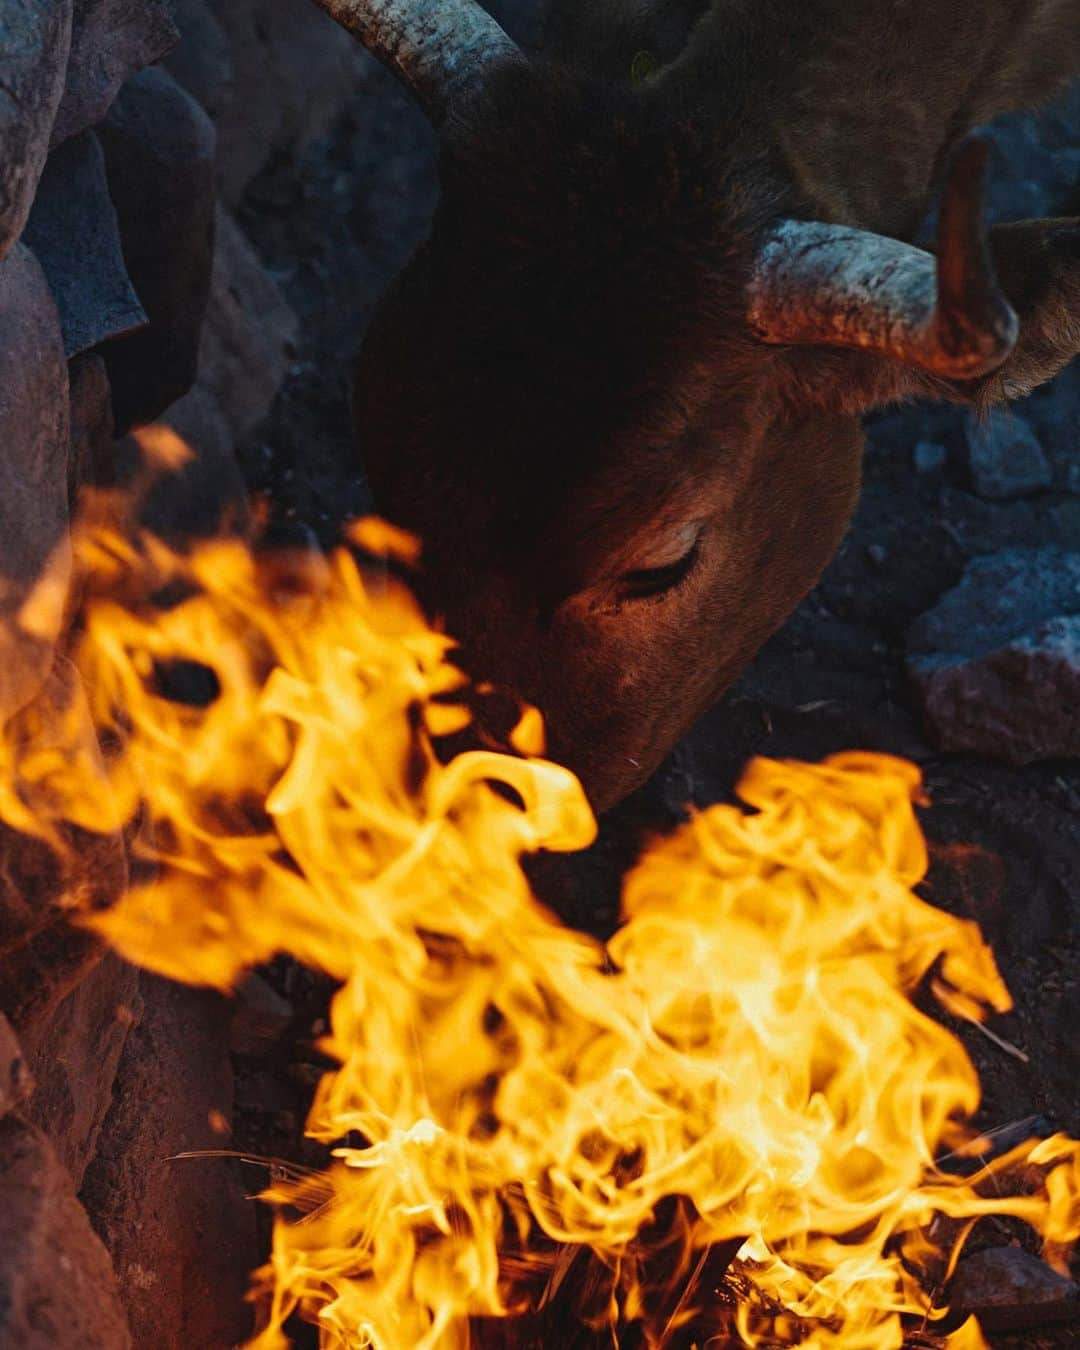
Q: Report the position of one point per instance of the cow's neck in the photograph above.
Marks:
(862, 98)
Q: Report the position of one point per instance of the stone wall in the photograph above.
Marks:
(128, 294)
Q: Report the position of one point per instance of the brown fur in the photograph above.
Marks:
(562, 381)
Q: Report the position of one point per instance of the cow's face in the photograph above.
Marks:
(661, 605)
(649, 586)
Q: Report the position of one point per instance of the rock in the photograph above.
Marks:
(35, 37)
(1005, 458)
(57, 1290)
(181, 1231)
(245, 348)
(249, 334)
(16, 1081)
(110, 40)
(260, 1017)
(159, 153)
(877, 554)
(290, 71)
(34, 434)
(1000, 597)
(997, 661)
(929, 457)
(202, 60)
(74, 234)
(1035, 164)
(42, 957)
(208, 494)
(91, 424)
(74, 1055)
(42, 971)
(1008, 1289)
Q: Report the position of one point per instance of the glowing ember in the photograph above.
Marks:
(525, 1120)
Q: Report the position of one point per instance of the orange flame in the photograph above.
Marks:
(740, 1069)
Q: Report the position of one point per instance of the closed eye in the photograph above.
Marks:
(652, 581)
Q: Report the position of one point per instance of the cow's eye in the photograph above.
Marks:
(647, 582)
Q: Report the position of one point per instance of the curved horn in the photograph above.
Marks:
(438, 48)
(839, 287)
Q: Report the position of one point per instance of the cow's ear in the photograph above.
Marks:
(1038, 265)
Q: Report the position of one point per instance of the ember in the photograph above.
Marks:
(723, 1123)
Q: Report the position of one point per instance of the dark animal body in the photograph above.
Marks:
(618, 391)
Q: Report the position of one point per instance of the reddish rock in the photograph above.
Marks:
(74, 1054)
(16, 1083)
(1008, 1289)
(57, 1290)
(181, 1231)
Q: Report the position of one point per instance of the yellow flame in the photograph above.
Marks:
(740, 1069)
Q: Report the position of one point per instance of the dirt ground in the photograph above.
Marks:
(1005, 841)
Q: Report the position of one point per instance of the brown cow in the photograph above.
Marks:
(618, 391)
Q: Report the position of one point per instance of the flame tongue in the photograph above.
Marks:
(741, 1068)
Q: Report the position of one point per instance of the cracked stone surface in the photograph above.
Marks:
(35, 37)
(997, 661)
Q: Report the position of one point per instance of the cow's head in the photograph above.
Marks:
(617, 393)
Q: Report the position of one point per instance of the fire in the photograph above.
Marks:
(721, 1123)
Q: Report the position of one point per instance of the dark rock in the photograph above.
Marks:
(202, 60)
(16, 1080)
(997, 661)
(1008, 1289)
(73, 232)
(245, 348)
(290, 70)
(260, 1017)
(34, 434)
(34, 41)
(57, 1290)
(207, 494)
(1053, 410)
(110, 40)
(181, 1231)
(91, 424)
(929, 457)
(1000, 597)
(248, 336)
(159, 153)
(1004, 457)
(74, 1055)
(1036, 162)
